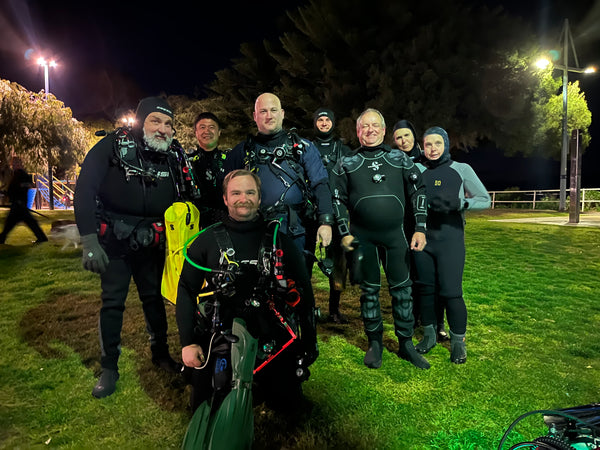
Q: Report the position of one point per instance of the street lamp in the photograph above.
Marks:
(46, 64)
(566, 38)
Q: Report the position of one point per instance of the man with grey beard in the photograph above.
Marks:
(127, 181)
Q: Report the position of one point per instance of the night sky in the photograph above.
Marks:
(113, 53)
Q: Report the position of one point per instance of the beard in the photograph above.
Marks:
(156, 143)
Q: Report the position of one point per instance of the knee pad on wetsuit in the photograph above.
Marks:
(369, 301)
(402, 305)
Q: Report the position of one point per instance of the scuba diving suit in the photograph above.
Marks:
(332, 150)
(208, 170)
(122, 193)
(452, 188)
(243, 292)
(294, 184)
(371, 188)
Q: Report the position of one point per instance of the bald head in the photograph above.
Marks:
(268, 113)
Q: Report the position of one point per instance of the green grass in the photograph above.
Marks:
(533, 343)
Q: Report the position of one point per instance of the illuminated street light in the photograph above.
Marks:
(46, 64)
(566, 38)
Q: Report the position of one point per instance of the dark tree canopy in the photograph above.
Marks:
(458, 65)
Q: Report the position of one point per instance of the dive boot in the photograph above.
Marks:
(167, 363)
(428, 341)
(442, 335)
(458, 350)
(107, 383)
(408, 352)
(374, 353)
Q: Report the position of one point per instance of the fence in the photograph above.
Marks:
(542, 199)
(63, 193)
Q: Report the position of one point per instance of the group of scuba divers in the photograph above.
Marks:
(266, 207)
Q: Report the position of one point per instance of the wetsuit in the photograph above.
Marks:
(331, 150)
(277, 381)
(371, 188)
(452, 188)
(126, 210)
(208, 170)
(293, 180)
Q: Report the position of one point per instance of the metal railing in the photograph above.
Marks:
(63, 193)
(541, 198)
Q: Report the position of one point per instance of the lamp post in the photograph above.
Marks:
(566, 38)
(46, 65)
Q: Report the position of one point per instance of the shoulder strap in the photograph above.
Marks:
(225, 245)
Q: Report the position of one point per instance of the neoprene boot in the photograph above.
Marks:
(428, 341)
(375, 352)
(458, 350)
(107, 383)
(166, 363)
(408, 352)
(441, 332)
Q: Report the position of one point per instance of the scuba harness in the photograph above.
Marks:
(140, 231)
(127, 156)
(270, 289)
(289, 152)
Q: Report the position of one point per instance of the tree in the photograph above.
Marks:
(452, 64)
(548, 123)
(39, 129)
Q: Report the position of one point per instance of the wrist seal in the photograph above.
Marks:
(326, 219)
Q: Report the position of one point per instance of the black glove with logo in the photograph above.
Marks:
(94, 257)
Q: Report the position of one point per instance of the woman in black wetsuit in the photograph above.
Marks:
(452, 188)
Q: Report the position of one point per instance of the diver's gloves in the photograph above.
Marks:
(94, 257)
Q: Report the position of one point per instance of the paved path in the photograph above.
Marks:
(585, 220)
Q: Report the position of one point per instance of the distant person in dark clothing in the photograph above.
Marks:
(452, 188)
(331, 149)
(18, 190)
(207, 162)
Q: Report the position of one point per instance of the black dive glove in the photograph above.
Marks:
(94, 257)
(444, 205)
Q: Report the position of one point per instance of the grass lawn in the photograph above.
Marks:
(533, 343)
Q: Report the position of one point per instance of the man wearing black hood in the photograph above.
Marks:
(294, 181)
(127, 181)
(452, 188)
(331, 149)
(371, 187)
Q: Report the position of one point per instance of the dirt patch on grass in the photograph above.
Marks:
(73, 320)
